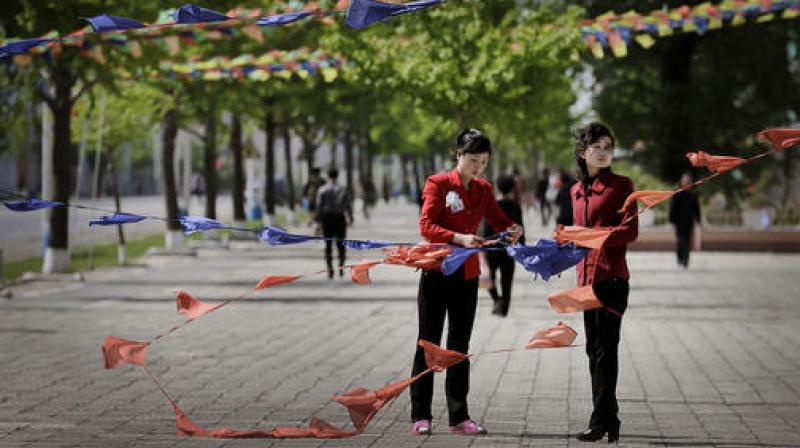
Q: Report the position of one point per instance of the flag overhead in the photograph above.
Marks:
(105, 22)
(362, 13)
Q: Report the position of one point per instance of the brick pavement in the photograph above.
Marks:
(709, 356)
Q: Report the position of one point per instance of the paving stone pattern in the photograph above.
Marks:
(709, 356)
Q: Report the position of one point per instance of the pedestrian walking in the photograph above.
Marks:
(541, 195)
(311, 188)
(455, 202)
(596, 199)
(498, 260)
(684, 213)
(334, 213)
(563, 198)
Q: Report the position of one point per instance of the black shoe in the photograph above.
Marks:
(595, 434)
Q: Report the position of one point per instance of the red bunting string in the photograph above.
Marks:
(363, 404)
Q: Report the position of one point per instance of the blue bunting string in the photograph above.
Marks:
(192, 224)
(545, 257)
(116, 218)
(27, 205)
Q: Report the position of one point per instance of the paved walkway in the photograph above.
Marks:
(709, 356)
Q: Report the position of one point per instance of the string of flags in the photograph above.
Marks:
(191, 23)
(277, 63)
(570, 246)
(615, 32)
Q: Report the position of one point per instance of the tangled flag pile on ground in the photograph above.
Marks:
(545, 258)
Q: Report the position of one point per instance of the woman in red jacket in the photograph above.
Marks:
(454, 205)
(596, 201)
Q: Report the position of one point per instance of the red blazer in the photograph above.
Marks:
(600, 208)
(441, 219)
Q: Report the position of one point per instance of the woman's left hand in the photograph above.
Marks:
(514, 232)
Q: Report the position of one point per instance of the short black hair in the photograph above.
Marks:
(505, 184)
(473, 141)
(584, 137)
(333, 173)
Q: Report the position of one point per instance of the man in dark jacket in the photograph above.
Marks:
(684, 212)
(334, 213)
(499, 260)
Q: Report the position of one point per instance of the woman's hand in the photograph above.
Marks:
(514, 232)
(461, 239)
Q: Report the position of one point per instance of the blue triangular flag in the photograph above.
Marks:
(457, 258)
(117, 218)
(275, 236)
(192, 224)
(30, 204)
(190, 13)
(367, 244)
(283, 19)
(105, 22)
(362, 13)
(546, 257)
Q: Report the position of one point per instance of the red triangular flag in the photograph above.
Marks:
(118, 351)
(192, 307)
(562, 335)
(273, 280)
(582, 236)
(781, 138)
(360, 272)
(423, 255)
(718, 164)
(575, 300)
(438, 358)
(362, 405)
(185, 427)
(649, 198)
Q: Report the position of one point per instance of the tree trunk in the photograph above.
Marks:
(269, 133)
(287, 154)
(238, 168)
(210, 159)
(334, 151)
(348, 161)
(168, 136)
(676, 132)
(122, 251)
(417, 174)
(57, 256)
(405, 187)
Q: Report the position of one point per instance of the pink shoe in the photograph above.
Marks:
(422, 428)
(468, 427)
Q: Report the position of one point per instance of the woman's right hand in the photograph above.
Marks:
(461, 239)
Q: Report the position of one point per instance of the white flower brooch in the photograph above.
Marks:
(453, 202)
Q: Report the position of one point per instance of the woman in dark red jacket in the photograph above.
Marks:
(454, 205)
(596, 201)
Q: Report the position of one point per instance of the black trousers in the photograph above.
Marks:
(334, 225)
(498, 260)
(683, 244)
(602, 341)
(456, 298)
